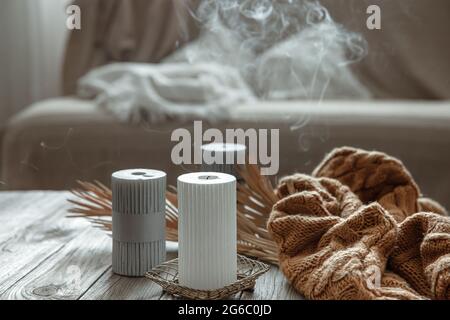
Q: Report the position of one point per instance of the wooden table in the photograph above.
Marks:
(44, 255)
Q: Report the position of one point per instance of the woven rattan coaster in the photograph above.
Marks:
(166, 275)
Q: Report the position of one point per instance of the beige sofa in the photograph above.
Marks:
(53, 143)
(56, 142)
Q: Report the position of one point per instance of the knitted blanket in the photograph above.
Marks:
(358, 228)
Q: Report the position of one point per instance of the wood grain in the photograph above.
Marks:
(272, 286)
(44, 255)
(32, 229)
(70, 272)
(113, 287)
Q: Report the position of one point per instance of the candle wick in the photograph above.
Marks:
(209, 177)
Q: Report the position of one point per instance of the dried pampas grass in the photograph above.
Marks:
(255, 198)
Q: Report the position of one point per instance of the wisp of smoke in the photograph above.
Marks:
(284, 49)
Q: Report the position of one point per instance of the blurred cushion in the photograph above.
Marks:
(125, 30)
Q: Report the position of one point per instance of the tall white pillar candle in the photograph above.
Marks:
(222, 157)
(207, 230)
(138, 199)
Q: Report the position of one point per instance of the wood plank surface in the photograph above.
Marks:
(272, 286)
(33, 228)
(44, 255)
(114, 287)
(68, 273)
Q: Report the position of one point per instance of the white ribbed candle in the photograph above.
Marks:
(207, 230)
(227, 155)
(138, 220)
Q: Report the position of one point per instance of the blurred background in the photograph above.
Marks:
(33, 36)
(64, 116)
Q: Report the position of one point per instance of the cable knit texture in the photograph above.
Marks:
(358, 228)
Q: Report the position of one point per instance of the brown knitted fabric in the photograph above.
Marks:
(339, 230)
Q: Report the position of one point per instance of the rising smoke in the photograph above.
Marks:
(284, 49)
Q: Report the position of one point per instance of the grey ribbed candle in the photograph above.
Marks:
(138, 220)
